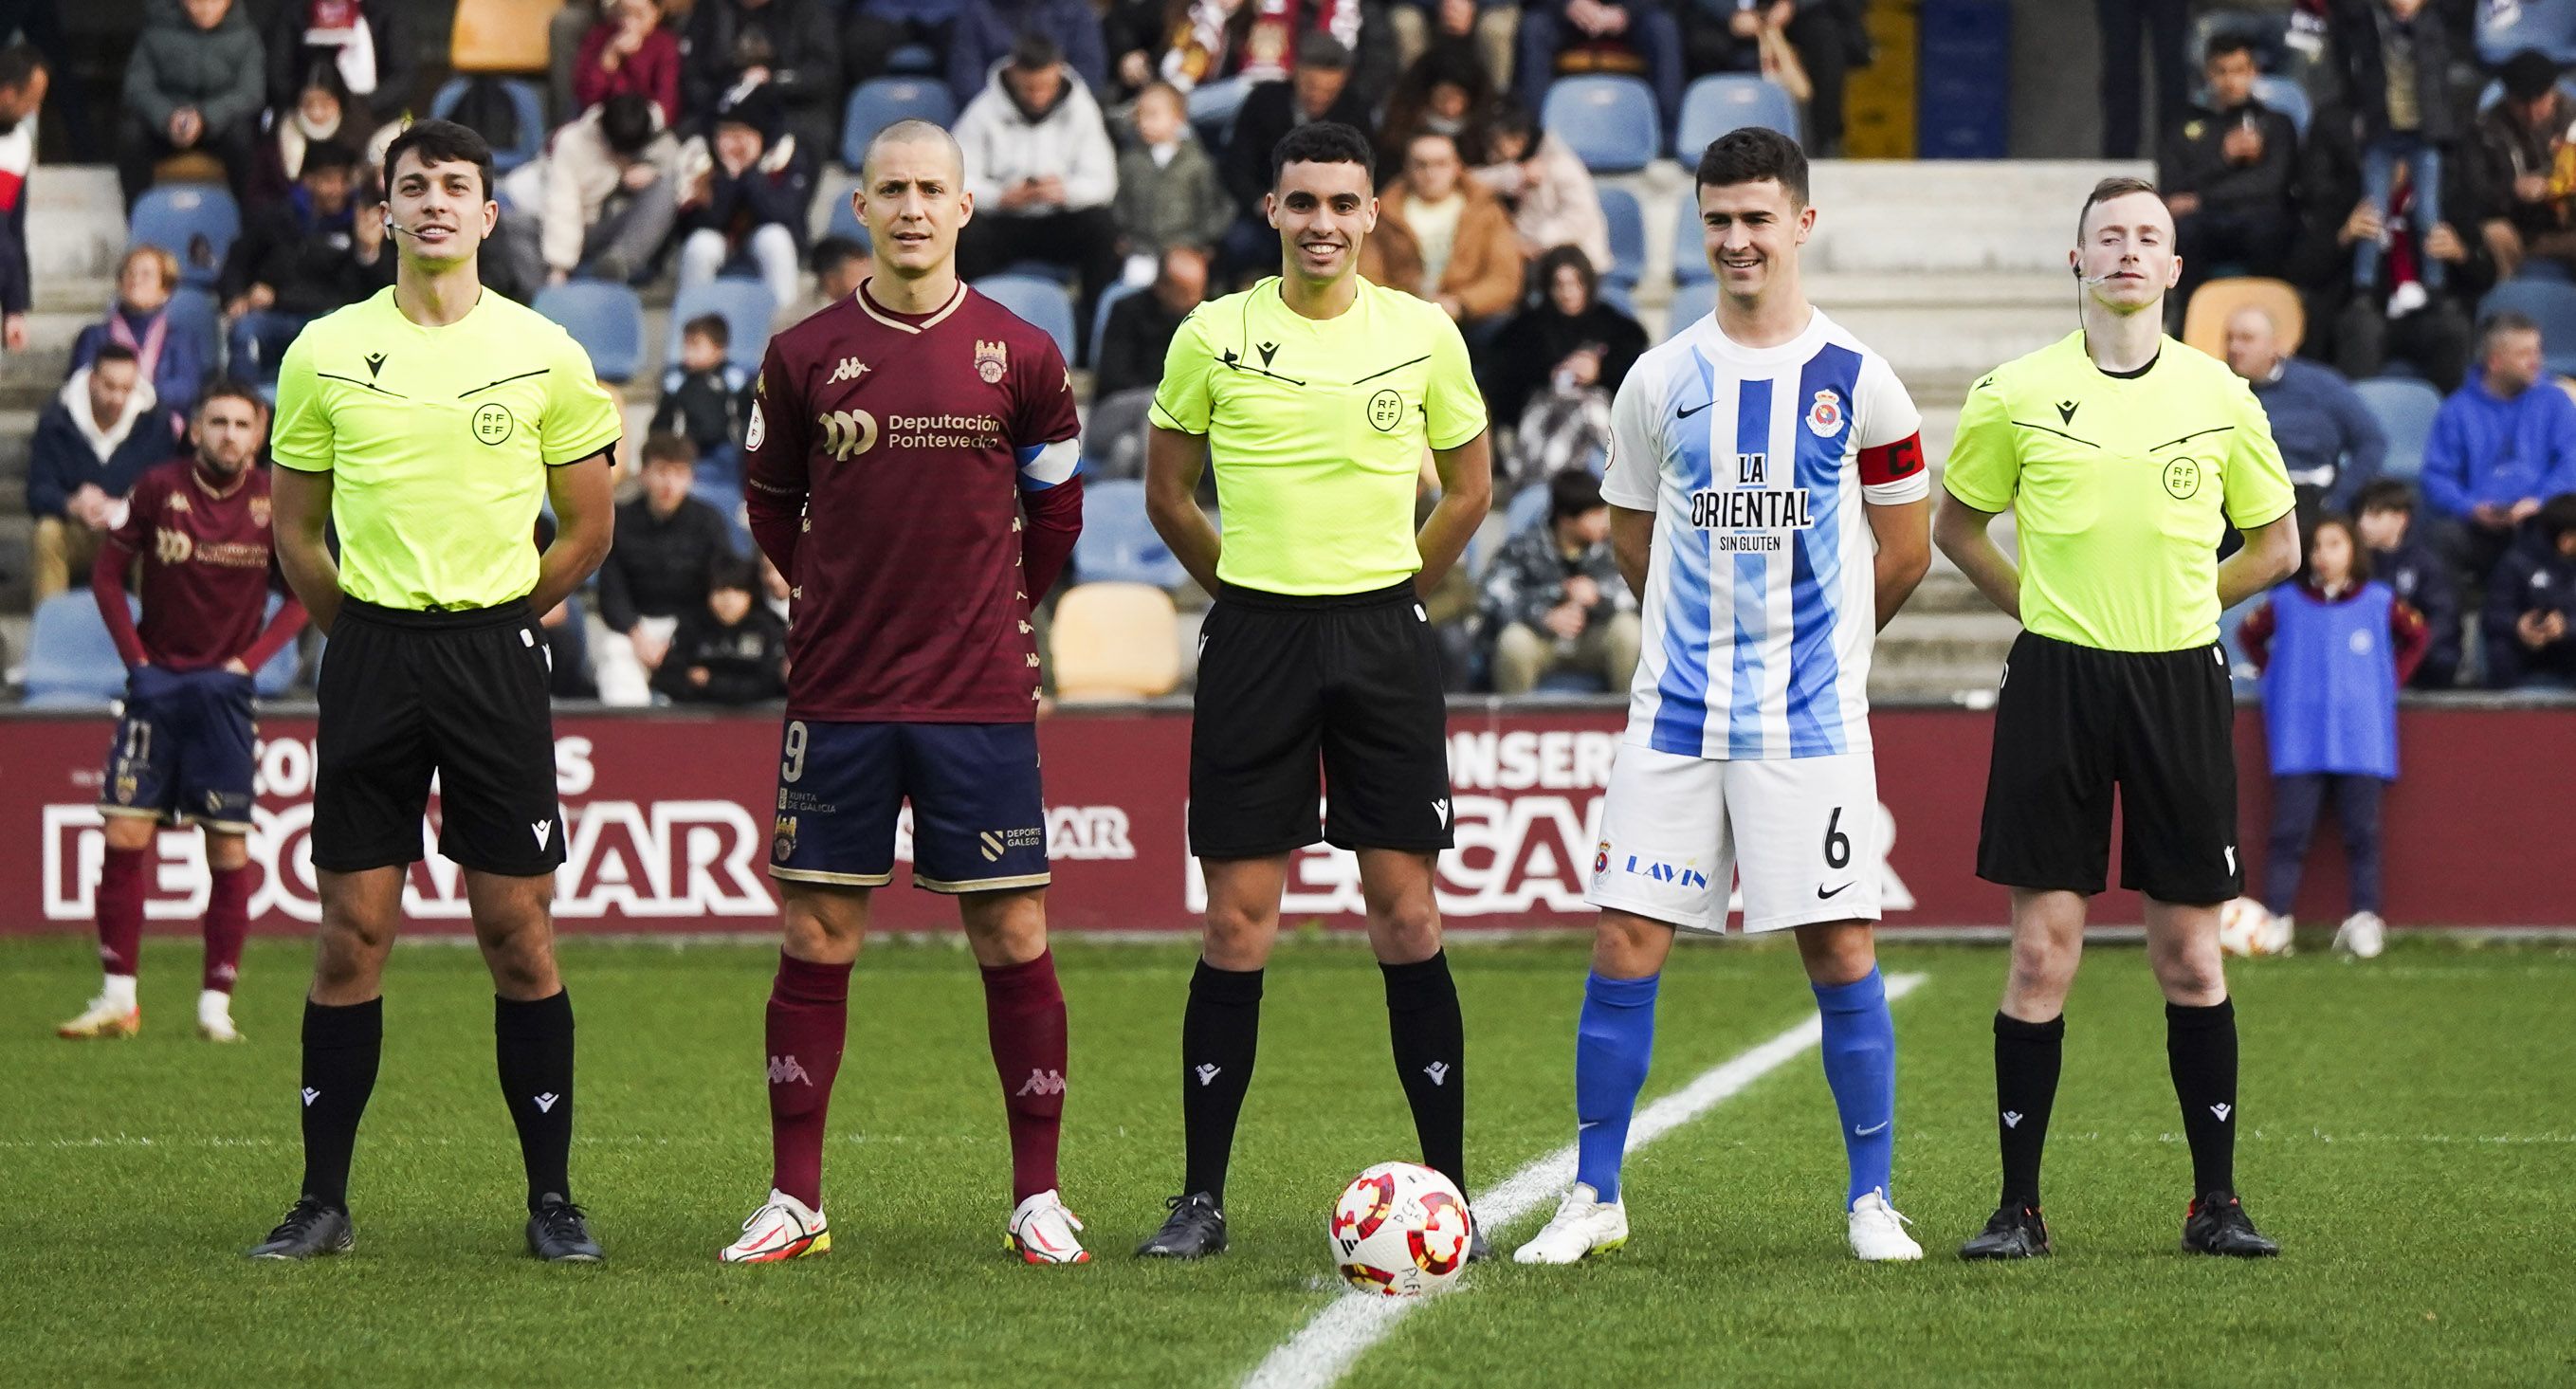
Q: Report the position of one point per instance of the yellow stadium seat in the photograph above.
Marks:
(1115, 641)
(501, 35)
(2204, 322)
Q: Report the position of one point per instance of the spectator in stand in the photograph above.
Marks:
(2383, 518)
(839, 265)
(140, 320)
(745, 194)
(1555, 367)
(295, 261)
(2132, 30)
(2531, 607)
(1491, 27)
(2331, 443)
(705, 400)
(1631, 36)
(731, 651)
(2333, 646)
(1140, 328)
(103, 430)
(23, 81)
(367, 44)
(989, 34)
(788, 46)
(195, 81)
(321, 111)
(1805, 47)
(2400, 316)
(2226, 172)
(2524, 140)
(2397, 76)
(1318, 89)
(1446, 90)
(1168, 194)
(1554, 599)
(1440, 235)
(1134, 36)
(656, 572)
(599, 202)
(627, 51)
(1549, 193)
(876, 28)
(1256, 41)
(1042, 171)
(2503, 444)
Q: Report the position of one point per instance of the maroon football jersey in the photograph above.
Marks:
(899, 439)
(208, 561)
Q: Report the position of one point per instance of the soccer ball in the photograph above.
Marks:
(1400, 1230)
(2248, 930)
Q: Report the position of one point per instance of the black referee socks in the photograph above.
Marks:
(533, 1043)
(2200, 1045)
(1220, 1034)
(1430, 1059)
(341, 1048)
(2027, 1055)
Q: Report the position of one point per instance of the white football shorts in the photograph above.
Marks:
(1803, 833)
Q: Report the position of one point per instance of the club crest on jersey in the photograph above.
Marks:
(782, 840)
(992, 361)
(1825, 417)
(259, 511)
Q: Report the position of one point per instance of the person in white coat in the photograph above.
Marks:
(1042, 172)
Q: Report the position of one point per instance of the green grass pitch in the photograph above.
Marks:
(2410, 1138)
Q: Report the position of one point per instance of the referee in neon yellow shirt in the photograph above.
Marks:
(1315, 394)
(429, 423)
(2124, 456)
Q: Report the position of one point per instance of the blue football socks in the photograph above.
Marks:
(1860, 1065)
(1611, 1050)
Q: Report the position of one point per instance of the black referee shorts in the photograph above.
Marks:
(406, 695)
(1355, 677)
(2071, 723)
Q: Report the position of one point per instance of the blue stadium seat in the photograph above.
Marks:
(1118, 543)
(1691, 303)
(880, 102)
(744, 304)
(1627, 237)
(70, 657)
(197, 316)
(2506, 29)
(1047, 305)
(1690, 249)
(1620, 297)
(2288, 98)
(1725, 101)
(196, 222)
(606, 319)
(1212, 108)
(1528, 507)
(2405, 410)
(1609, 122)
(1100, 314)
(913, 58)
(845, 221)
(526, 102)
(278, 675)
(2552, 306)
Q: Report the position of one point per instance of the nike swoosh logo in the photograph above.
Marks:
(1686, 414)
(1864, 1133)
(1822, 895)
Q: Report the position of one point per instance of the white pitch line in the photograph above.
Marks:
(1323, 1350)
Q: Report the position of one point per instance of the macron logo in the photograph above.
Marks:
(1438, 1071)
(783, 1069)
(1043, 1083)
(310, 1095)
(1208, 1074)
(2222, 1111)
(543, 830)
(2012, 1120)
(546, 1102)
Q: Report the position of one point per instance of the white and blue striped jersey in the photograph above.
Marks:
(1760, 601)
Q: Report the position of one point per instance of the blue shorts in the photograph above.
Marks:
(183, 750)
(978, 816)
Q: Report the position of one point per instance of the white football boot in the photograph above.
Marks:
(781, 1230)
(2362, 935)
(106, 1016)
(1042, 1232)
(1878, 1232)
(1584, 1225)
(2280, 935)
(215, 1017)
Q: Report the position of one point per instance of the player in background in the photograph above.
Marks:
(198, 528)
(1756, 460)
(911, 463)
(2124, 457)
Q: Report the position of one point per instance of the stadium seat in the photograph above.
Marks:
(1691, 303)
(1118, 543)
(2270, 33)
(1609, 122)
(1113, 437)
(196, 315)
(744, 304)
(70, 657)
(606, 319)
(1725, 101)
(527, 106)
(1100, 315)
(1571, 682)
(2204, 321)
(844, 220)
(1627, 238)
(2550, 304)
(1690, 243)
(1114, 641)
(1047, 305)
(912, 59)
(2405, 409)
(1212, 108)
(1528, 507)
(880, 102)
(2288, 98)
(500, 35)
(195, 222)
(2506, 29)
(2493, 92)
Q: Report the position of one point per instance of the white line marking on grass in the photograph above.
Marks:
(1323, 1350)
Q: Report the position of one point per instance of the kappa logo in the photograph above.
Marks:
(546, 1102)
(785, 1069)
(1438, 1071)
(1207, 1074)
(1043, 1083)
(2222, 1111)
(310, 1095)
(2012, 1119)
(847, 433)
(850, 369)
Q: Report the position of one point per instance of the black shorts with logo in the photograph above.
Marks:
(461, 695)
(2071, 723)
(1354, 677)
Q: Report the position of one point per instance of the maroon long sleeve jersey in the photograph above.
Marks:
(915, 478)
(208, 563)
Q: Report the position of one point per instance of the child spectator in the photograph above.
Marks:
(2333, 647)
(2531, 607)
(1168, 193)
(656, 571)
(98, 437)
(140, 320)
(731, 651)
(1551, 196)
(2384, 517)
(748, 186)
(627, 50)
(320, 112)
(1554, 599)
(703, 400)
(2398, 71)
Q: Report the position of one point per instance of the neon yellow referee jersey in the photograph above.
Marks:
(438, 441)
(2121, 487)
(1316, 429)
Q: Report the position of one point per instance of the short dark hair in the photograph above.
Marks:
(19, 62)
(229, 388)
(2501, 322)
(712, 327)
(1574, 492)
(322, 156)
(1323, 142)
(2384, 494)
(1751, 154)
(663, 446)
(832, 252)
(114, 352)
(733, 571)
(2360, 573)
(440, 142)
(1035, 52)
(627, 121)
(2557, 516)
(2105, 191)
(2227, 41)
